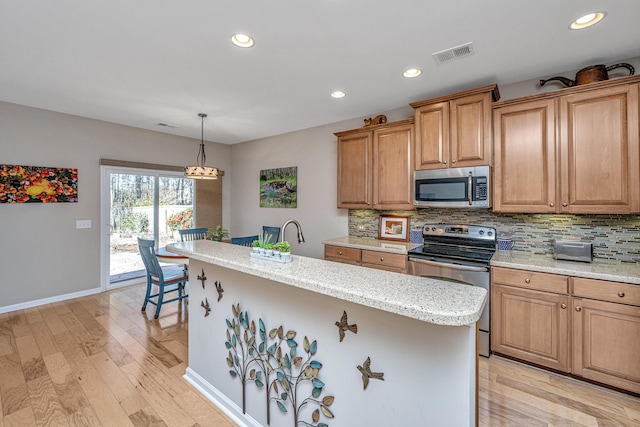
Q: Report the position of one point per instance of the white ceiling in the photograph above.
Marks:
(142, 62)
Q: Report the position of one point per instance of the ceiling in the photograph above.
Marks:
(143, 62)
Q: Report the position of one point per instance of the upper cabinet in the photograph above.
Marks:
(455, 130)
(576, 151)
(375, 167)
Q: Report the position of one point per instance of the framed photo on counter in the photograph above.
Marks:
(393, 227)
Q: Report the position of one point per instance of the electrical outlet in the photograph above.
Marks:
(83, 223)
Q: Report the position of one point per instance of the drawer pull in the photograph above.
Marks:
(621, 294)
(563, 306)
(381, 259)
(340, 253)
(527, 280)
(578, 308)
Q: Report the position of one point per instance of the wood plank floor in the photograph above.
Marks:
(98, 360)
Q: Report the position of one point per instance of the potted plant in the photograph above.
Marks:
(256, 245)
(268, 248)
(276, 249)
(285, 249)
(218, 233)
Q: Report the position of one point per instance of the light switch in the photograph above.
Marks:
(83, 223)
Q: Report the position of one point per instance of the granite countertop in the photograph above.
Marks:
(429, 300)
(598, 269)
(372, 244)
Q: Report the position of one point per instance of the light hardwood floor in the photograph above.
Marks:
(98, 360)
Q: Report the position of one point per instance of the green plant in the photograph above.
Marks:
(262, 241)
(285, 246)
(217, 233)
(277, 246)
(256, 243)
(268, 246)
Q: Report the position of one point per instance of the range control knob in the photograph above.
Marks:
(433, 229)
(481, 232)
(489, 233)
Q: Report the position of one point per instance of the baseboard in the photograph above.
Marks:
(49, 300)
(223, 403)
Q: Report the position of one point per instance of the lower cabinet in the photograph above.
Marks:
(588, 328)
(367, 258)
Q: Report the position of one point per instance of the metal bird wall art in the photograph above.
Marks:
(366, 373)
(219, 289)
(207, 308)
(202, 278)
(343, 325)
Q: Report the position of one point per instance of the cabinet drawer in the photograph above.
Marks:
(384, 259)
(623, 293)
(342, 253)
(530, 280)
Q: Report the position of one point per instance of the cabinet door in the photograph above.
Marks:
(599, 142)
(606, 343)
(524, 147)
(470, 131)
(432, 134)
(530, 325)
(354, 170)
(393, 168)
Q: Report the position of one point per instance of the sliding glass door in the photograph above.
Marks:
(140, 203)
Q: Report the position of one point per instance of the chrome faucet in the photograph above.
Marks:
(297, 224)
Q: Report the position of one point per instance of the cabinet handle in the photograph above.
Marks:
(578, 308)
(340, 253)
(621, 294)
(564, 205)
(445, 162)
(563, 306)
(527, 280)
(453, 161)
(552, 204)
(381, 259)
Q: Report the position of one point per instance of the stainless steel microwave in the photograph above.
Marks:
(453, 187)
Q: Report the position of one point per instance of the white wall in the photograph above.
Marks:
(42, 255)
(314, 152)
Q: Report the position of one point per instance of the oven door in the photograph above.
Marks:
(466, 274)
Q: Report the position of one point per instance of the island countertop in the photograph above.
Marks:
(429, 300)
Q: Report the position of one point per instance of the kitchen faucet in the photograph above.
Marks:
(297, 224)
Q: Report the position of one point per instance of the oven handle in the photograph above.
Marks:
(449, 265)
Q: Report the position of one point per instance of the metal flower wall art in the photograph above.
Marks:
(365, 370)
(37, 184)
(343, 325)
(290, 378)
(219, 289)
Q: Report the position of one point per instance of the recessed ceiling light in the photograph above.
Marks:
(242, 40)
(338, 94)
(587, 20)
(412, 72)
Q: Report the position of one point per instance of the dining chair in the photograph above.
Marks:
(168, 279)
(274, 232)
(244, 241)
(193, 234)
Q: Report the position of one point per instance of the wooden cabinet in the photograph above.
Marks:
(606, 335)
(367, 258)
(375, 167)
(577, 151)
(455, 130)
(529, 322)
(590, 329)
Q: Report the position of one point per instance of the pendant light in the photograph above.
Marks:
(200, 171)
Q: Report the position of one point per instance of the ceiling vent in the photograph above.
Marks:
(453, 53)
(168, 125)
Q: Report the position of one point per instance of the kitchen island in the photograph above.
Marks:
(321, 342)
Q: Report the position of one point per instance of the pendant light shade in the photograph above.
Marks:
(201, 171)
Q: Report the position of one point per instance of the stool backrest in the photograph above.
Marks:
(193, 234)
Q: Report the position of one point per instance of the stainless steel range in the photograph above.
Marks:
(458, 253)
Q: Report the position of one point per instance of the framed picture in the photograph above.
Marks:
(393, 227)
(279, 188)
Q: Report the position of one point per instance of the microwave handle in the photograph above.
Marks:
(470, 188)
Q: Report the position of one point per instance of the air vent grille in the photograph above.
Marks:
(168, 125)
(453, 53)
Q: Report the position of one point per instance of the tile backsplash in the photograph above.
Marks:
(614, 237)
